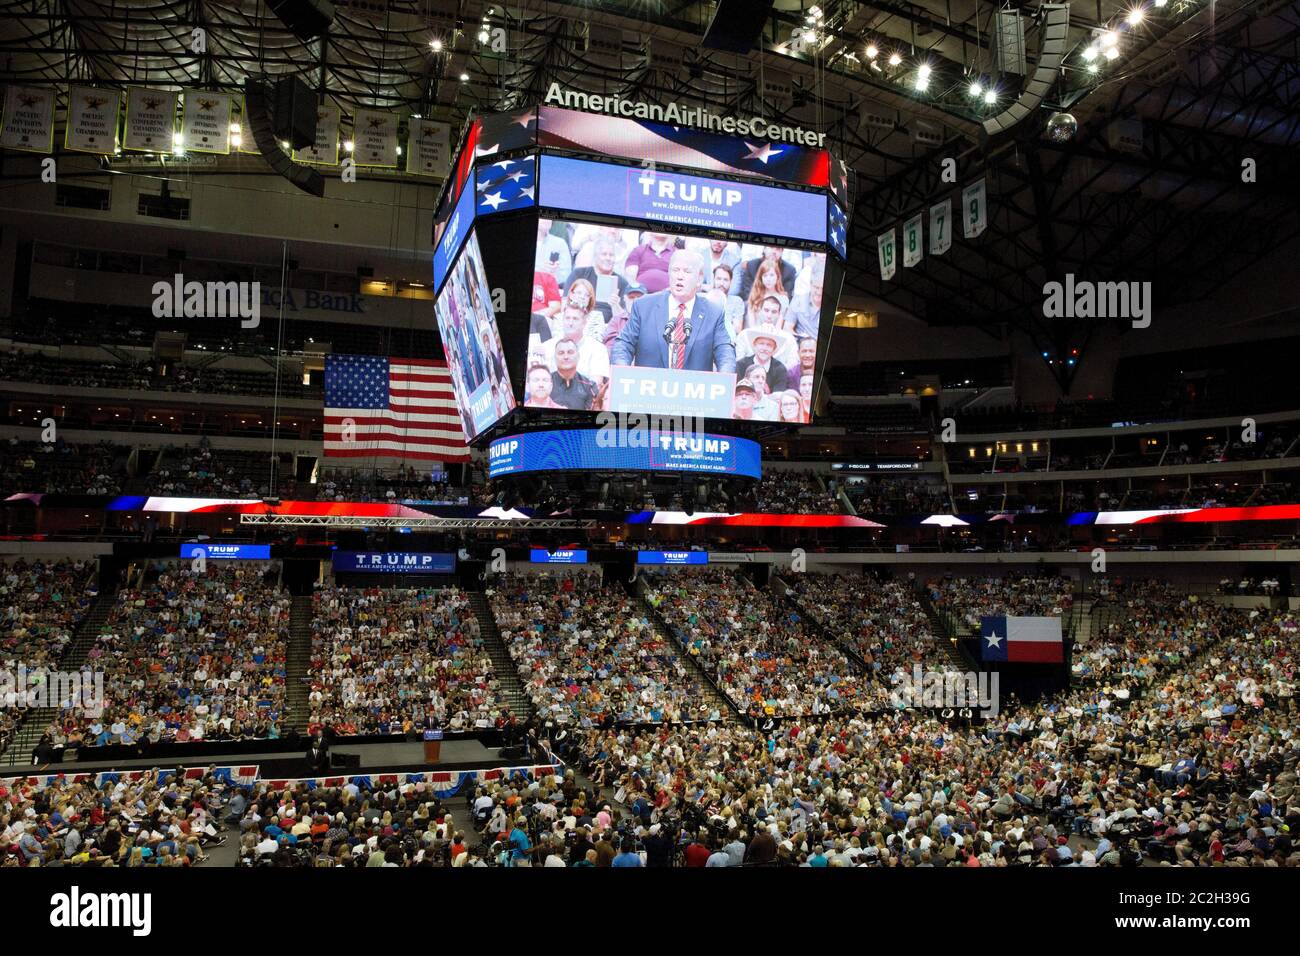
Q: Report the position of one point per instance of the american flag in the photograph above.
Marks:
(391, 408)
(505, 185)
(682, 146)
(838, 230)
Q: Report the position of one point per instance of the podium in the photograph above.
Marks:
(432, 747)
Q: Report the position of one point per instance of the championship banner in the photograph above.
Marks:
(150, 120)
(206, 122)
(941, 227)
(374, 138)
(28, 119)
(912, 251)
(325, 151)
(246, 144)
(428, 148)
(92, 120)
(885, 250)
(974, 216)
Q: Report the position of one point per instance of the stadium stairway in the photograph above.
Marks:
(33, 724)
(786, 595)
(512, 689)
(297, 676)
(713, 694)
(945, 637)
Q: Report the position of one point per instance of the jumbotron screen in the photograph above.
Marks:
(472, 342)
(668, 322)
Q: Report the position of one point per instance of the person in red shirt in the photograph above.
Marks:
(697, 854)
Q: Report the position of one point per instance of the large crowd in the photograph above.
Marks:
(588, 653)
(757, 650)
(187, 656)
(795, 492)
(385, 661)
(970, 598)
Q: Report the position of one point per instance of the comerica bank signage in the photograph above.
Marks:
(557, 95)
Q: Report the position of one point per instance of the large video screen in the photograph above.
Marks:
(672, 323)
(472, 343)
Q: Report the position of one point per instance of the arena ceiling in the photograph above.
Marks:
(1150, 187)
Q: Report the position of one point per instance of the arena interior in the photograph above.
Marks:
(896, 465)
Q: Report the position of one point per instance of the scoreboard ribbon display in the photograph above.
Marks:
(570, 449)
(582, 186)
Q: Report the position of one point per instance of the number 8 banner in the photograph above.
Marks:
(885, 248)
(974, 210)
(940, 227)
(912, 250)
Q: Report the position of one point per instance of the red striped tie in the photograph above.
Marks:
(679, 338)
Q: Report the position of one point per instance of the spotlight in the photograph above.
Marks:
(1112, 53)
(484, 36)
(1090, 53)
(1161, 3)
(1135, 16)
(990, 97)
(348, 145)
(895, 59)
(922, 77)
(1109, 39)
(872, 52)
(464, 77)
(975, 89)
(435, 46)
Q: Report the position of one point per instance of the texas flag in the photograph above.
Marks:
(1022, 640)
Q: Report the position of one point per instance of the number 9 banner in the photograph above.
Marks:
(974, 210)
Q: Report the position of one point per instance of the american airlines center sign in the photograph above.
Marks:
(676, 115)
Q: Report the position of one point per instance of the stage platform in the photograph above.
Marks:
(401, 756)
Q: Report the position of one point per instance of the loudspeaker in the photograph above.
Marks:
(294, 115)
(257, 107)
(340, 761)
(737, 25)
(306, 19)
(1051, 50)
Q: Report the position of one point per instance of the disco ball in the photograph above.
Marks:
(1061, 127)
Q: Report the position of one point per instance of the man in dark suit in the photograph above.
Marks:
(676, 329)
(318, 752)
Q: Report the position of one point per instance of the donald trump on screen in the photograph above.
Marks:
(675, 328)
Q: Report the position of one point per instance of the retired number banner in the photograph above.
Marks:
(912, 251)
(940, 227)
(974, 210)
(885, 249)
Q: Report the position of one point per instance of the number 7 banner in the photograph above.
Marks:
(974, 215)
(940, 227)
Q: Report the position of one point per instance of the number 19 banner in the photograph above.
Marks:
(885, 248)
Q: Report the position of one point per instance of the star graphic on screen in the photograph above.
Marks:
(526, 120)
(527, 191)
(517, 175)
(486, 150)
(762, 153)
(494, 200)
(504, 164)
(994, 640)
